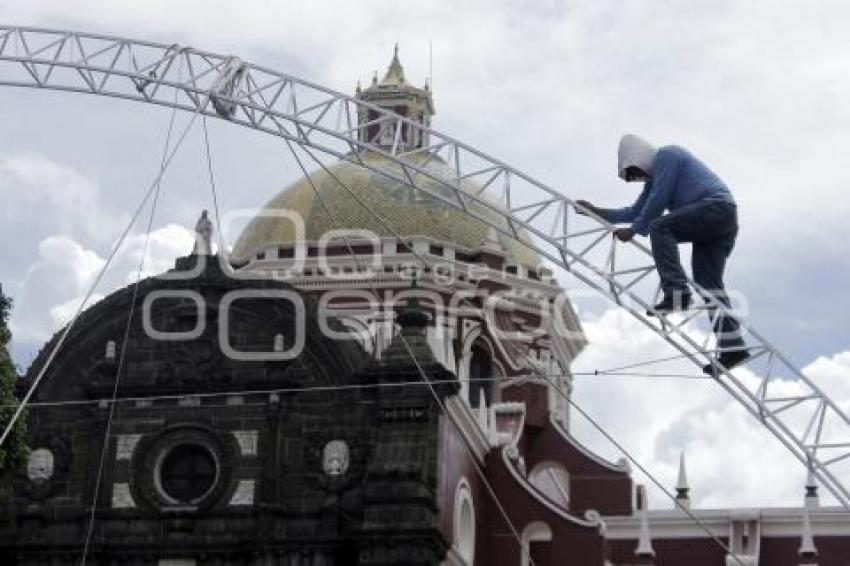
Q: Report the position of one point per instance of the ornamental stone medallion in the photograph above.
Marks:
(40, 465)
(335, 458)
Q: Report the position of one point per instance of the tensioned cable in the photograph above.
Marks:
(783, 430)
(647, 363)
(251, 392)
(109, 259)
(502, 511)
(424, 261)
(92, 288)
(221, 249)
(651, 477)
(423, 375)
(304, 389)
(126, 338)
(603, 373)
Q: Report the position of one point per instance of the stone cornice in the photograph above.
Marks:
(775, 523)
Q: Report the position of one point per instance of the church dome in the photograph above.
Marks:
(405, 211)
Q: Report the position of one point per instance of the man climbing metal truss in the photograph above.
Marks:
(701, 211)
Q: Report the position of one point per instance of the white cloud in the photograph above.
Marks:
(55, 285)
(733, 460)
(42, 197)
(62, 273)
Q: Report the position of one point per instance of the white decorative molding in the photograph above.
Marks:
(461, 414)
(592, 518)
(538, 531)
(622, 465)
(552, 480)
(464, 523)
(644, 546)
(247, 440)
(125, 445)
(122, 498)
(244, 494)
(500, 438)
(777, 522)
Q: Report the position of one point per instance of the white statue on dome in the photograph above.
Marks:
(203, 235)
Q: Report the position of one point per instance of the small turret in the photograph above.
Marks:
(394, 93)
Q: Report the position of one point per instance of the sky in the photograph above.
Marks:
(757, 90)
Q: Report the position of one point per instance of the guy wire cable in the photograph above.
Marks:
(479, 470)
(424, 261)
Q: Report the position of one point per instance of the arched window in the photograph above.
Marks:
(553, 481)
(464, 523)
(480, 370)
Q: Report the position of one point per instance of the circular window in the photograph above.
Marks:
(188, 472)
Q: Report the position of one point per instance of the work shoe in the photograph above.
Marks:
(728, 360)
(672, 302)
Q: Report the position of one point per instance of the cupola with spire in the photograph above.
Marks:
(394, 93)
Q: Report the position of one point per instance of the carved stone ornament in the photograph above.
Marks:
(336, 458)
(46, 469)
(40, 465)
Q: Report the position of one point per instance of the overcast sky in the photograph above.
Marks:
(758, 90)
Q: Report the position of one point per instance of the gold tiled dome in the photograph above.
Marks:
(409, 212)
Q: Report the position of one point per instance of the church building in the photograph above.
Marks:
(370, 377)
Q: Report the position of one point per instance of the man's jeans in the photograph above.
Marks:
(711, 226)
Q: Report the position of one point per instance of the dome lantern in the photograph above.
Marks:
(394, 93)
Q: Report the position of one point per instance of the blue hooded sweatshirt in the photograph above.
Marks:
(676, 179)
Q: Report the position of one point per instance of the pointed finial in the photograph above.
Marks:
(682, 489)
(807, 541)
(358, 89)
(395, 72)
(644, 548)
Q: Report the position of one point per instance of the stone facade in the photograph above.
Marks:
(270, 499)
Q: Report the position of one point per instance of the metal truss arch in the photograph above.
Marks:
(803, 417)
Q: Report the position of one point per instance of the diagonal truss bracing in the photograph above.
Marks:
(802, 416)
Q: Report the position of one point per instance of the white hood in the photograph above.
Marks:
(635, 152)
